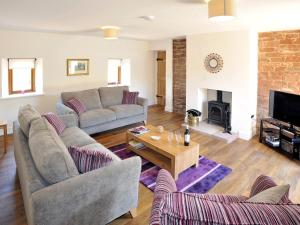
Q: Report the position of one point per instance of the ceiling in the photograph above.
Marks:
(174, 18)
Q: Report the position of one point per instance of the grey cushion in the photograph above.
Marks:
(123, 111)
(75, 136)
(90, 98)
(101, 148)
(95, 117)
(49, 154)
(26, 115)
(112, 95)
(271, 195)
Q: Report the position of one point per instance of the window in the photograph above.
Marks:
(118, 72)
(21, 77)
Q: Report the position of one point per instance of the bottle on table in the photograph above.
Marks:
(187, 136)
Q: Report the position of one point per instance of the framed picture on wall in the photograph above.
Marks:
(77, 67)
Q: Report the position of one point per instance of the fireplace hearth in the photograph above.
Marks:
(219, 112)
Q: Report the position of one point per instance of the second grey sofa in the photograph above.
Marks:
(54, 193)
(105, 110)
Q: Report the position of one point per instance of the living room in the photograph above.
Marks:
(161, 112)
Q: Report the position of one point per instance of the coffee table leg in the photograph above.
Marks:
(174, 169)
(127, 142)
(197, 163)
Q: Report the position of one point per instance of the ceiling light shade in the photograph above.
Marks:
(221, 10)
(110, 32)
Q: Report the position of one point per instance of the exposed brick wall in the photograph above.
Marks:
(278, 66)
(179, 75)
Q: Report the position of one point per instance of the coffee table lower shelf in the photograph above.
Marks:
(153, 157)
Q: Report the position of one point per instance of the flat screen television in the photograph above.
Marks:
(285, 107)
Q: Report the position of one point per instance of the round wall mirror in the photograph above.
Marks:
(213, 63)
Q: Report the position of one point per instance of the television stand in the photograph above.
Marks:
(284, 138)
(291, 128)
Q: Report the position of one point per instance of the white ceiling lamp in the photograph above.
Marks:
(110, 32)
(221, 10)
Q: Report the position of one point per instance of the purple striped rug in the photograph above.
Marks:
(193, 180)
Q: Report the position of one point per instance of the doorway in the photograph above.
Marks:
(161, 78)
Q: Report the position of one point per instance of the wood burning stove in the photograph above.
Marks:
(219, 112)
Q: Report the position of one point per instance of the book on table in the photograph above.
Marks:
(136, 145)
(139, 130)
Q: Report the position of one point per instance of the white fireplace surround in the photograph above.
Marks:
(238, 76)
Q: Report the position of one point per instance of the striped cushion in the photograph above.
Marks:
(164, 184)
(130, 97)
(76, 105)
(263, 183)
(185, 209)
(55, 121)
(87, 159)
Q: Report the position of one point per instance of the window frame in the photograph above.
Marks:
(119, 77)
(11, 90)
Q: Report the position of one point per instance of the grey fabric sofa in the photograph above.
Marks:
(54, 193)
(105, 110)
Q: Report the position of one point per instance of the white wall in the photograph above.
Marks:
(239, 74)
(166, 45)
(54, 49)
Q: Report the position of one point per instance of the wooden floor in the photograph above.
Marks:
(248, 159)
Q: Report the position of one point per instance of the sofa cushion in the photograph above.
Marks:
(50, 155)
(76, 105)
(272, 195)
(55, 121)
(123, 111)
(90, 98)
(26, 115)
(96, 117)
(263, 183)
(130, 97)
(75, 136)
(87, 159)
(112, 95)
(101, 148)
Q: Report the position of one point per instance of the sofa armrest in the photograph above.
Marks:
(165, 184)
(62, 109)
(96, 197)
(143, 102)
(70, 120)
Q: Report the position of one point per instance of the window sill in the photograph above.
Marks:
(115, 85)
(23, 95)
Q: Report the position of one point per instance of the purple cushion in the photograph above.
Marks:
(130, 97)
(263, 183)
(55, 121)
(76, 105)
(87, 159)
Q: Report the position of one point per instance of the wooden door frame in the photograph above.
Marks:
(164, 54)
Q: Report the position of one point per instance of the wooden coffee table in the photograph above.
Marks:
(170, 156)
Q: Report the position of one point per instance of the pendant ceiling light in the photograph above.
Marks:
(110, 32)
(221, 10)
